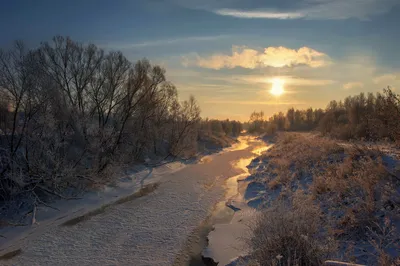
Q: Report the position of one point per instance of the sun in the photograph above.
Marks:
(277, 87)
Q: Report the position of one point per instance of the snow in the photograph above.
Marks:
(151, 230)
(227, 241)
(67, 209)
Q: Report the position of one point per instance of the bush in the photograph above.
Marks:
(290, 234)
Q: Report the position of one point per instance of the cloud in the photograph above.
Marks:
(386, 78)
(163, 42)
(271, 57)
(253, 102)
(267, 14)
(316, 10)
(353, 85)
(220, 88)
(288, 80)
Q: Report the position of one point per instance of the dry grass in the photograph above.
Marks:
(289, 234)
(274, 183)
(296, 155)
(303, 149)
(350, 182)
(356, 186)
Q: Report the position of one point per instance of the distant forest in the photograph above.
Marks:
(369, 117)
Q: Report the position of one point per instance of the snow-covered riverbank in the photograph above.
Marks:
(150, 230)
(320, 201)
(61, 210)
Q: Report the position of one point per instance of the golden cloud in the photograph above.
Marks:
(386, 78)
(271, 57)
(282, 56)
(353, 85)
(290, 80)
(236, 102)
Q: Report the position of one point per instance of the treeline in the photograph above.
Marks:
(369, 117)
(69, 112)
(221, 127)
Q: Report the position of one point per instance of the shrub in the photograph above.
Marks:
(290, 234)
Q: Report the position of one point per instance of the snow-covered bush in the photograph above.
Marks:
(289, 233)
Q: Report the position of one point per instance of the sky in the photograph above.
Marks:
(227, 53)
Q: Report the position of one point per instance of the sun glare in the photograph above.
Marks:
(277, 87)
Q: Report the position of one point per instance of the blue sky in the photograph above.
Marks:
(228, 52)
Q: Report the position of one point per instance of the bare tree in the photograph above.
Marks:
(70, 111)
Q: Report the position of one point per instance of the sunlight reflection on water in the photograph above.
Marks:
(260, 150)
(222, 213)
